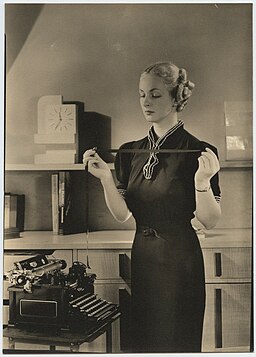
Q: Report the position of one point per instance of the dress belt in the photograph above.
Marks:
(156, 230)
(149, 232)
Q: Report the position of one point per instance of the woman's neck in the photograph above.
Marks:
(162, 127)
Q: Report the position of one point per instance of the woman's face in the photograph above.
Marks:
(155, 100)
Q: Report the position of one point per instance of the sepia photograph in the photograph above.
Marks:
(128, 178)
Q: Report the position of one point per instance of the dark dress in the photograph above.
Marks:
(168, 283)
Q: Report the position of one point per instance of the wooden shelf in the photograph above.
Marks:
(71, 167)
(121, 239)
(47, 167)
(235, 164)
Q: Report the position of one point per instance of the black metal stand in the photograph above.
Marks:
(72, 339)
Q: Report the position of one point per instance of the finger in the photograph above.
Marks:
(213, 160)
(201, 163)
(88, 159)
(210, 151)
(97, 156)
(89, 152)
(213, 155)
(209, 166)
(87, 155)
(207, 159)
(93, 163)
(93, 160)
(85, 160)
(210, 154)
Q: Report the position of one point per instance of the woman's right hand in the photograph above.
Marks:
(96, 166)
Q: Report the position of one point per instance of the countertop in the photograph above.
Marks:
(120, 239)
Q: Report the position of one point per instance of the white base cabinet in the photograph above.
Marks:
(228, 318)
(227, 322)
(112, 267)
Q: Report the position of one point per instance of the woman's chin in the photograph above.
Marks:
(149, 118)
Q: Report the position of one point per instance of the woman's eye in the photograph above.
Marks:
(152, 95)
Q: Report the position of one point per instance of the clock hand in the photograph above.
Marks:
(60, 119)
(58, 124)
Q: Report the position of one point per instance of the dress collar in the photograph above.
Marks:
(156, 143)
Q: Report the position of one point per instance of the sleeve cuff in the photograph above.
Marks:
(217, 198)
(122, 192)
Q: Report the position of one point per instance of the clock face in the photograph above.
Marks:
(61, 119)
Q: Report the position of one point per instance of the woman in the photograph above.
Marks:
(163, 190)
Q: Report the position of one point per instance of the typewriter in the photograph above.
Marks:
(43, 295)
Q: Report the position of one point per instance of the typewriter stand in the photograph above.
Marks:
(62, 338)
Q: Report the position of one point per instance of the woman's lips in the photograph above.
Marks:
(148, 112)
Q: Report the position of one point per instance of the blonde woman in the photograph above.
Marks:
(164, 187)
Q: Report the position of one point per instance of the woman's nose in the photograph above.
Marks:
(146, 102)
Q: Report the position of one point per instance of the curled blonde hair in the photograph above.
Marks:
(175, 80)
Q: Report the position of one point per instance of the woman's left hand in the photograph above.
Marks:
(208, 166)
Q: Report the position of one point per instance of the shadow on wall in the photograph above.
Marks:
(19, 20)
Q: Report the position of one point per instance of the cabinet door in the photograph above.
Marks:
(106, 264)
(110, 292)
(227, 322)
(5, 315)
(227, 263)
(5, 307)
(125, 320)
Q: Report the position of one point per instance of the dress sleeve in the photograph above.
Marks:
(215, 179)
(123, 168)
(215, 187)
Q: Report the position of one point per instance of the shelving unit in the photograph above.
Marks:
(48, 167)
(228, 294)
(59, 167)
(236, 164)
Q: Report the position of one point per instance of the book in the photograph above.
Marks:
(12, 232)
(72, 202)
(7, 205)
(63, 191)
(55, 203)
(14, 211)
(20, 219)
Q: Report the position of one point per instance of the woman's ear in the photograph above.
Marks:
(174, 103)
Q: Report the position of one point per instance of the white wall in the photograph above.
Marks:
(95, 54)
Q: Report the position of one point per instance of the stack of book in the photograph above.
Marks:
(69, 202)
(14, 214)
